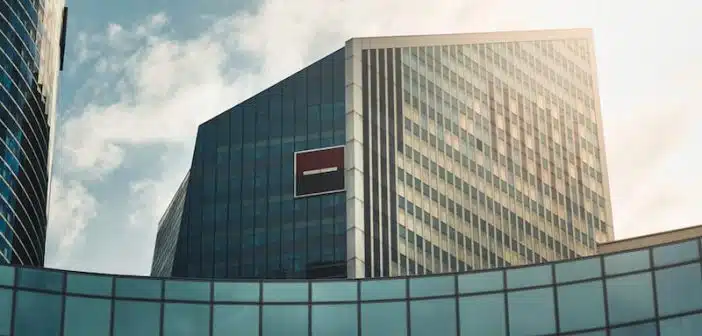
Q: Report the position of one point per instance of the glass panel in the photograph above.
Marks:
(382, 289)
(682, 326)
(483, 315)
(5, 311)
(242, 318)
(339, 319)
(186, 319)
(236, 291)
(531, 312)
(432, 286)
(334, 291)
(529, 276)
(285, 292)
(480, 282)
(593, 333)
(87, 316)
(630, 298)
(188, 290)
(578, 270)
(626, 262)
(40, 279)
(7, 275)
(433, 317)
(675, 253)
(581, 306)
(135, 318)
(284, 320)
(138, 288)
(384, 318)
(37, 314)
(89, 284)
(648, 329)
(679, 289)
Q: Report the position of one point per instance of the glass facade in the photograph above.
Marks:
(653, 291)
(31, 51)
(167, 235)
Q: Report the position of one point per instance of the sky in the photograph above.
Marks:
(140, 76)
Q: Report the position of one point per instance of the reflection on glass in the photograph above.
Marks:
(675, 253)
(529, 276)
(339, 319)
(236, 291)
(136, 318)
(581, 306)
(138, 288)
(433, 317)
(334, 291)
(626, 262)
(648, 329)
(285, 320)
(480, 282)
(578, 270)
(87, 316)
(383, 289)
(188, 290)
(37, 314)
(5, 311)
(184, 319)
(689, 325)
(531, 312)
(89, 284)
(483, 315)
(384, 318)
(630, 298)
(285, 292)
(679, 289)
(7, 275)
(40, 279)
(242, 318)
(432, 286)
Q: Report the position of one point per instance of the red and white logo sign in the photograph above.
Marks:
(319, 171)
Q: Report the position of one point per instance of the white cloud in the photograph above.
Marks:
(166, 86)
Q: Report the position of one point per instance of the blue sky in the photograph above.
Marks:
(140, 76)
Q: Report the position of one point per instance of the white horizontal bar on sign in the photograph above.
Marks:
(320, 171)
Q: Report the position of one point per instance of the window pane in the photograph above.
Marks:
(87, 316)
(285, 292)
(188, 290)
(89, 284)
(242, 318)
(138, 288)
(432, 286)
(5, 311)
(37, 314)
(386, 318)
(648, 329)
(339, 319)
(186, 319)
(626, 262)
(581, 306)
(679, 289)
(236, 291)
(40, 279)
(682, 326)
(531, 312)
(483, 315)
(383, 289)
(480, 282)
(433, 317)
(289, 320)
(593, 333)
(675, 253)
(334, 291)
(630, 298)
(7, 275)
(135, 318)
(529, 276)
(578, 270)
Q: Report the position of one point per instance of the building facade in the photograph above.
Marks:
(460, 152)
(32, 39)
(656, 290)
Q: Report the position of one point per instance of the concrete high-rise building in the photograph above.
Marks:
(32, 39)
(401, 155)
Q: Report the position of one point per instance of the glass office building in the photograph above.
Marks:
(32, 35)
(650, 291)
(404, 156)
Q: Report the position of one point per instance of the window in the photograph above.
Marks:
(630, 298)
(334, 291)
(431, 286)
(679, 289)
(433, 317)
(529, 276)
(675, 253)
(682, 326)
(37, 314)
(138, 288)
(236, 291)
(40, 279)
(581, 306)
(338, 319)
(86, 316)
(136, 318)
(480, 282)
(188, 290)
(186, 319)
(285, 292)
(531, 312)
(89, 284)
(5, 311)
(483, 315)
(382, 289)
(578, 270)
(626, 262)
(386, 318)
(242, 318)
(284, 320)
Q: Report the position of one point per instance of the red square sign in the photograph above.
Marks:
(319, 171)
